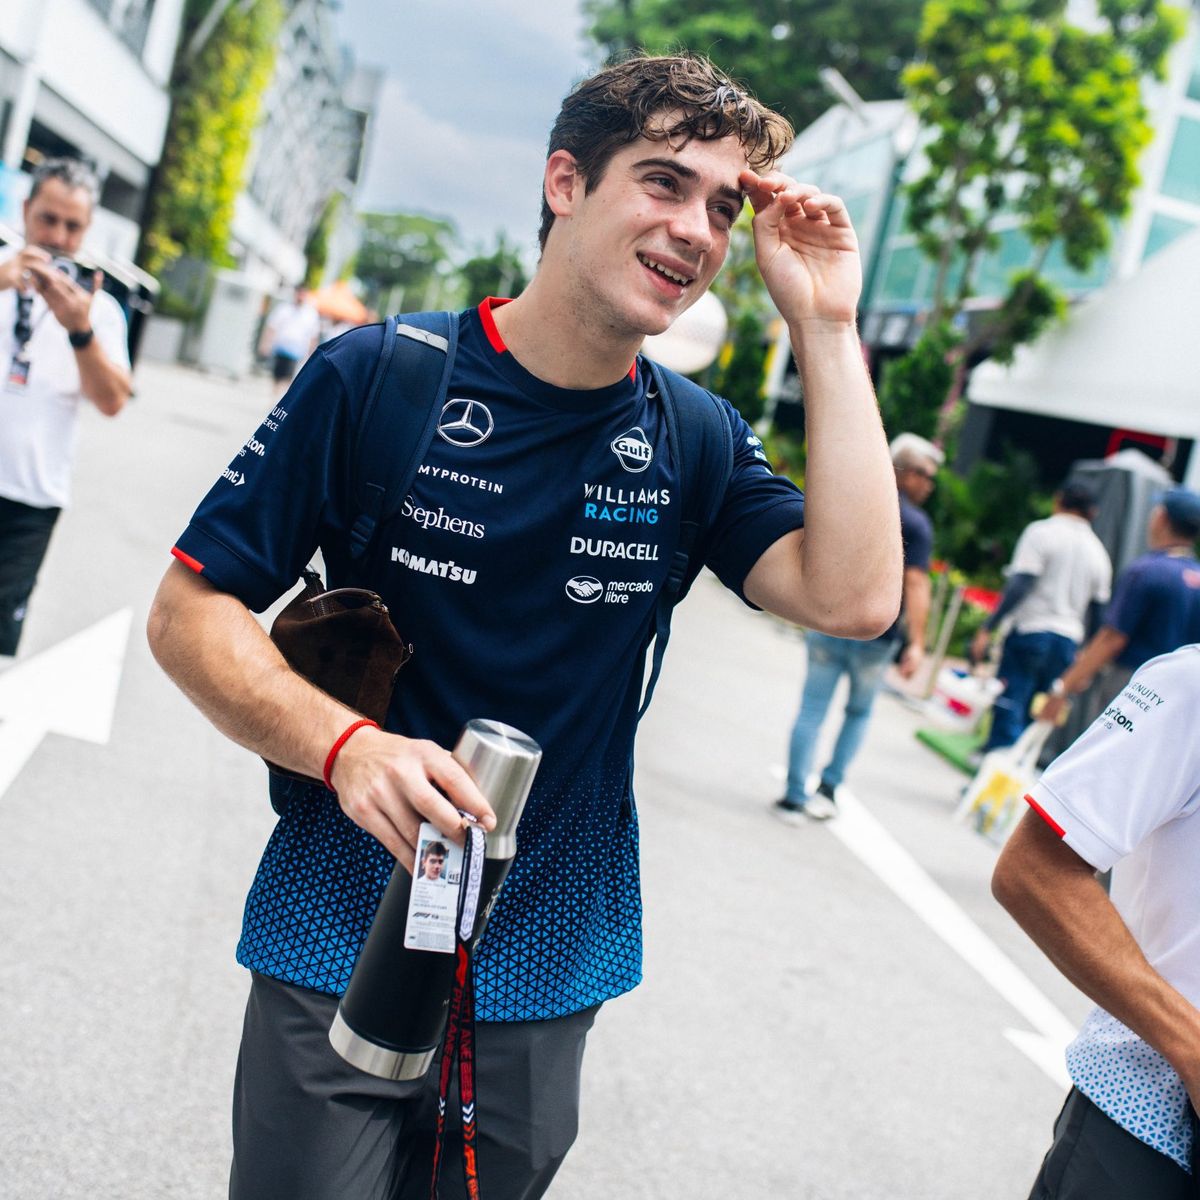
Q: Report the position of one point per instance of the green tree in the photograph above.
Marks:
(1030, 116)
(776, 47)
(316, 249)
(405, 260)
(741, 380)
(215, 102)
(499, 273)
(740, 374)
(911, 382)
(977, 519)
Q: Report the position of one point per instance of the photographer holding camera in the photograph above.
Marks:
(62, 339)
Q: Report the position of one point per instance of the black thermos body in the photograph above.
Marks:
(391, 1020)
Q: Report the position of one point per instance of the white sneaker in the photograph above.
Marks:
(819, 807)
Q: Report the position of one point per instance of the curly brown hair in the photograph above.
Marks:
(619, 104)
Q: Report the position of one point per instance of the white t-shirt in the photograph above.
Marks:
(1073, 569)
(1126, 795)
(293, 329)
(38, 426)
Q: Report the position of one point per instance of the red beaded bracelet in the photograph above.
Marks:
(342, 740)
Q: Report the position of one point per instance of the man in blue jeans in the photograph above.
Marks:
(829, 658)
(1059, 578)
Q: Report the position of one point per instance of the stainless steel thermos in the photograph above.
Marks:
(391, 1020)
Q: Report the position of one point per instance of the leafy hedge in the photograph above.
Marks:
(214, 111)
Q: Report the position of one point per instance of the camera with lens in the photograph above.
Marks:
(76, 271)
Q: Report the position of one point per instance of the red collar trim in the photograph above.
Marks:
(488, 321)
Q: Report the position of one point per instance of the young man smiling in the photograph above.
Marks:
(549, 407)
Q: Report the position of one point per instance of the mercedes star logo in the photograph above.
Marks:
(465, 423)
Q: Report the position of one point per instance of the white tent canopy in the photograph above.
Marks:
(1126, 357)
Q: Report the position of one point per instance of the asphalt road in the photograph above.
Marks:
(825, 1009)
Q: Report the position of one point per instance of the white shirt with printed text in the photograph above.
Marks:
(1126, 795)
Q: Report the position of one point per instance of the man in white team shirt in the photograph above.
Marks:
(61, 342)
(1125, 796)
(1059, 579)
(290, 336)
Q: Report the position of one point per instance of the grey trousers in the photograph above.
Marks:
(1093, 1158)
(308, 1126)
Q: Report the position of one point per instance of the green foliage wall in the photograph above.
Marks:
(316, 249)
(214, 112)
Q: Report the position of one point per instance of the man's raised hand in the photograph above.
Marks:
(806, 249)
(70, 304)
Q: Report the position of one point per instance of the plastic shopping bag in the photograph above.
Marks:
(995, 799)
(961, 699)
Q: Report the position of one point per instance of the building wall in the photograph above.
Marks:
(1168, 202)
(308, 146)
(88, 77)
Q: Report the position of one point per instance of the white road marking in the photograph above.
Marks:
(70, 689)
(867, 839)
(871, 843)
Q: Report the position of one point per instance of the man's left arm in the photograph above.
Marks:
(105, 383)
(842, 572)
(1053, 894)
(917, 591)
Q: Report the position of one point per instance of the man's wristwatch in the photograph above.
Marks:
(82, 338)
(1058, 688)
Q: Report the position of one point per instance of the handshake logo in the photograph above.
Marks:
(583, 589)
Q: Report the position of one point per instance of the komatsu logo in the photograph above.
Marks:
(633, 449)
(432, 566)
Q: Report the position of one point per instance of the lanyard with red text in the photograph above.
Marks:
(459, 1042)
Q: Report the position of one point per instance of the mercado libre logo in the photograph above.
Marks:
(584, 589)
(633, 449)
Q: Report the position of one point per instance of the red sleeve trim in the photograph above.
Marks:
(489, 323)
(187, 560)
(1041, 812)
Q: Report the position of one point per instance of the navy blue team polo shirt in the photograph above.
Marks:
(524, 569)
(1156, 605)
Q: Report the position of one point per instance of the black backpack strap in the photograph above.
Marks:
(408, 392)
(702, 442)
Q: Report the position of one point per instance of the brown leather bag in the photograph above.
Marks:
(344, 642)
